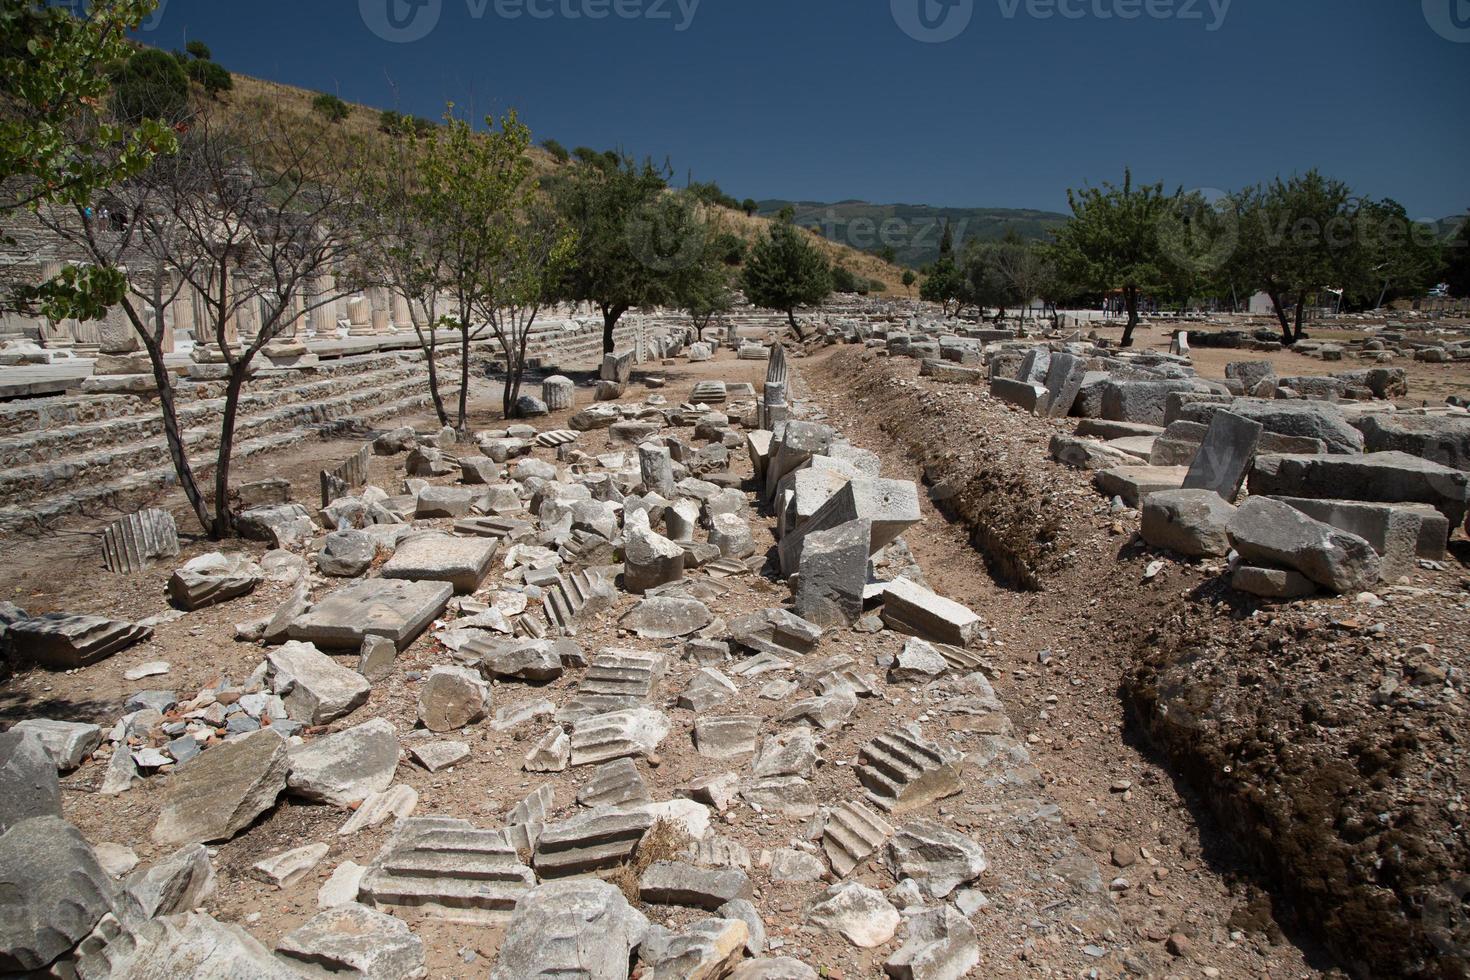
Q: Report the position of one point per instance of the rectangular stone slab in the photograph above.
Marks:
(396, 610)
(462, 562)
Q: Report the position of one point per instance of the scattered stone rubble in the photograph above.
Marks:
(655, 538)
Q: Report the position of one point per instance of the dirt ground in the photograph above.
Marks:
(1068, 660)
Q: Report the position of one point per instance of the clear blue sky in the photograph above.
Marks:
(836, 99)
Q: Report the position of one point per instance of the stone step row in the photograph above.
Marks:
(92, 436)
(24, 484)
(137, 489)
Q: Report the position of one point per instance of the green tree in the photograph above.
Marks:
(470, 183)
(56, 148)
(731, 248)
(628, 238)
(199, 51)
(213, 78)
(909, 278)
(558, 152)
(750, 207)
(150, 85)
(1399, 257)
(702, 289)
(1112, 242)
(944, 284)
(532, 251)
(786, 271)
(330, 106)
(1296, 238)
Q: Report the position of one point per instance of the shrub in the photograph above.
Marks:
(199, 50)
(557, 151)
(332, 107)
(150, 85)
(211, 77)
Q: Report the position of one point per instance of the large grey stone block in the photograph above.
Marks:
(1386, 477)
(1225, 456)
(1266, 531)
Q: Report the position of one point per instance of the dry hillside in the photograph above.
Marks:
(363, 122)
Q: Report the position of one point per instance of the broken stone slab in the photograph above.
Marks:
(917, 663)
(1086, 454)
(451, 698)
(1400, 533)
(1313, 420)
(398, 611)
(1140, 401)
(67, 743)
(397, 802)
(791, 865)
(346, 554)
(534, 661)
(1107, 429)
(1384, 477)
(575, 597)
(827, 711)
(60, 641)
(726, 737)
(1188, 522)
(315, 688)
(833, 573)
(220, 793)
(707, 689)
(1225, 455)
(581, 928)
(731, 534)
(177, 883)
(213, 578)
(1134, 483)
(131, 544)
(355, 941)
(286, 869)
(190, 944)
(526, 820)
(938, 858)
(440, 502)
(28, 783)
(776, 632)
(903, 771)
(910, 608)
(341, 887)
(677, 883)
(792, 753)
(597, 840)
(1439, 438)
(773, 968)
(666, 618)
(852, 833)
(55, 892)
(376, 657)
(650, 560)
(857, 913)
(706, 950)
(1025, 394)
(616, 783)
(1271, 583)
(551, 753)
(1267, 531)
(890, 506)
(345, 768)
(793, 445)
(432, 557)
(939, 944)
(447, 869)
(618, 734)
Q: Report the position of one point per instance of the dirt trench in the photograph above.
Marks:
(1259, 766)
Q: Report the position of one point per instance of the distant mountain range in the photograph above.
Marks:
(913, 230)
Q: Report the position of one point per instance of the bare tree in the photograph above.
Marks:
(253, 213)
(408, 250)
(535, 252)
